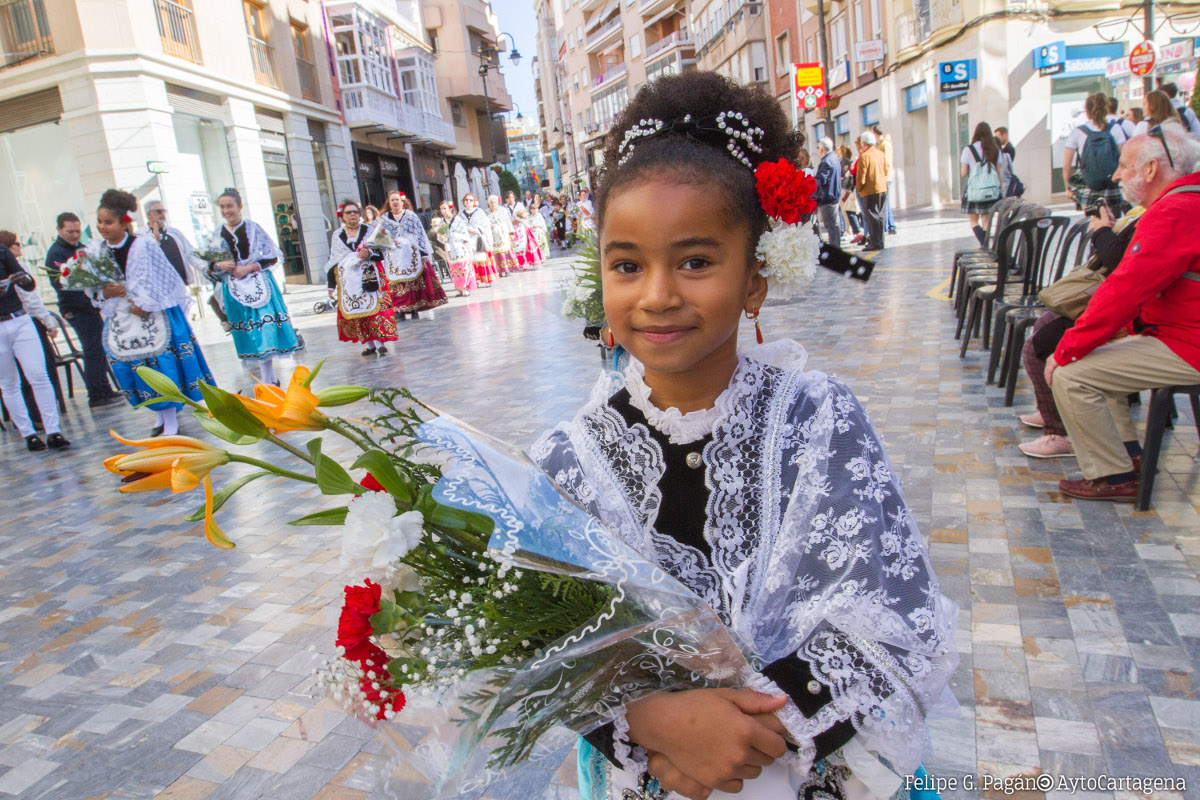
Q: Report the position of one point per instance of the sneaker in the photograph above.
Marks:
(1100, 489)
(1033, 420)
(1049, 446)
(56, 441)
(34, 443)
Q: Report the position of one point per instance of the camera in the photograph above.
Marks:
(1094, 209)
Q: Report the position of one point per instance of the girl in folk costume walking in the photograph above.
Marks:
(358, 285)
(410, 273)
(802, 541)
(471, 242)
(259, 320)
(145, 320)
(539, 226)
(502, 237)
(520, 237)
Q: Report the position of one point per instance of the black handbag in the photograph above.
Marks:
(370, 279)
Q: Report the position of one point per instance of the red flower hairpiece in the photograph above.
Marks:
(785, 192)
(126, 219)
(339, 211)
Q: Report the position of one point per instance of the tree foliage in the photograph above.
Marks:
(509, 183)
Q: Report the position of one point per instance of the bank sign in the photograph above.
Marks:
(956, 76)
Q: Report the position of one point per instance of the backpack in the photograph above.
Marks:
(983, 180)
(1099, 157)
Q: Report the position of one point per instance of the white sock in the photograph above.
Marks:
(268, 370)
(169, 421)
(375, 343)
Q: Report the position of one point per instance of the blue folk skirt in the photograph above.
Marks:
(263, 332)
(182, 362)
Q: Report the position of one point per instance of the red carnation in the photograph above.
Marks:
(395, 699)
(354, 624)
(785, 192)
(65, 271)
(369, 482)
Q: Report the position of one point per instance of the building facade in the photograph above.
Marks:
(526, 157)
(172, 100)
(464, 35)
(387, 78)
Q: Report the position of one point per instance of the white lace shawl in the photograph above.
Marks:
(262, 246)
(409, 225)
(814, 551)
(151, 282)
(502, 230)
(461, 244)
(339, 249)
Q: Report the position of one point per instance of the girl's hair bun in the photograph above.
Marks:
(231, 193)
(118, 202)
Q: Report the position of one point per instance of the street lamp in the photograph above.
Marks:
(570, 134)
(486, 53)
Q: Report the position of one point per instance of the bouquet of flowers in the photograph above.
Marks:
(217, 251)
(380, 238)
(582, 295)
(89, 268)
(481, 602)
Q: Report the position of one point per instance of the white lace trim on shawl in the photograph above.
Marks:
(814, 551)
(151, 282)
(679, 428)
(460, 243)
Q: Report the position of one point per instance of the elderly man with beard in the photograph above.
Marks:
(1154, 295)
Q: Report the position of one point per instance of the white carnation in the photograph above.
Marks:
(375, 538)
(790, 253)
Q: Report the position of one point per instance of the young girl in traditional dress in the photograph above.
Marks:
(145, 319)
(258, 317)
(413, 280)
(520, 230)
(358, 285)
(502, 237)
(538, 223)
(471, 242)
(760, 485)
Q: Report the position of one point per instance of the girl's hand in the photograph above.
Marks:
(671, 779)
(243, 270)
(114, 290)
(363, 254)
(712, 736)
(138, 311)
(226, 266)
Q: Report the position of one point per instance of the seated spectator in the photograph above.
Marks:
(1155, 295)
(1110, 239)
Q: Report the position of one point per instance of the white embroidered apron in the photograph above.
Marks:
(353, 302)
(402, 262)
(128, 337)
(251, 291)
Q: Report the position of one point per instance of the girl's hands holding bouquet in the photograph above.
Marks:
(705, 739)
(242, 270)
(364, 253)
(114, 290)
(226, 266)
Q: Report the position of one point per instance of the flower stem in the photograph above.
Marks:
(274, 470)
(296, 451)
(338, 425)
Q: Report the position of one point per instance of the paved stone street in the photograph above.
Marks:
(137, 661)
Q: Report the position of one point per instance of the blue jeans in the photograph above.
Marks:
(889, 222)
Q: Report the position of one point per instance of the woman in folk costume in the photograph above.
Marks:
(358, 286)
(760, 485)
(471, 241)
(410, 273)
(520, 228)
(145, 320)
(538, 225)
(258, 317)
(502, 237)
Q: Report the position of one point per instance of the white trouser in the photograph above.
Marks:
(19, 342)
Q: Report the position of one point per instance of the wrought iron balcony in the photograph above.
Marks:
(260, 59)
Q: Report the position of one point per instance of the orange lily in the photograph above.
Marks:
(177, 463)
(293, 410)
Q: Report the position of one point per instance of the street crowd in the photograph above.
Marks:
(383, 266)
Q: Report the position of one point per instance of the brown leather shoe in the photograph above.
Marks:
(1100, 489)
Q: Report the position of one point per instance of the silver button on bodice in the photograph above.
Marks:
(695, 460)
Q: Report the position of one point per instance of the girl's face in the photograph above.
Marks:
(231, 210)
(445, 209)
(15, 249)
(676, 277)
(395, 204)
(110, 225)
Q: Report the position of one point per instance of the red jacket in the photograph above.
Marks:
(1149, 286)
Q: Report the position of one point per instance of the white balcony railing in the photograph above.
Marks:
(613, 72)
(604, 30)
(676, 39)
(366, 105)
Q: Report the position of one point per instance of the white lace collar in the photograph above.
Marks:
(680, 428)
